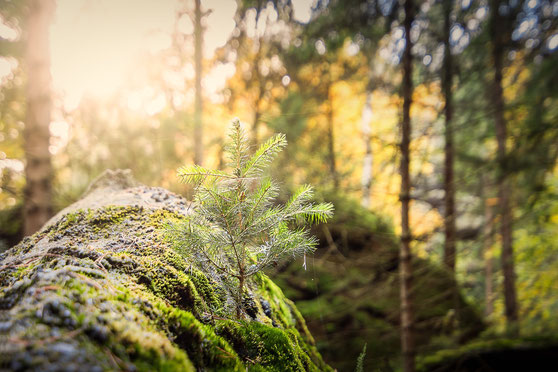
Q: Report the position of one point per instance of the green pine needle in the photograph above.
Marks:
(197, 174)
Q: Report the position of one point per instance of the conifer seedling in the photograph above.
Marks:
(236, 227)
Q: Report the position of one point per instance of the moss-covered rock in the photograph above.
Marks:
(530, 353)
(349, 293)
(100, 288)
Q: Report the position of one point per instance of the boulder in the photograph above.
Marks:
(100, 287)
(348, 292)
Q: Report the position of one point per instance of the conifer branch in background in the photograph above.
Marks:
(236, 227)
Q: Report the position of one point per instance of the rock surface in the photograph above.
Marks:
(100, 288)
(527, 353)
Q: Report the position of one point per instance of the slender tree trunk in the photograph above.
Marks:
(259, 80)
(488, 259)
(504, 189)
(405, 268)
(447, 82)
(38, 169)
(198, 105)
(368, 156)
(331, 139)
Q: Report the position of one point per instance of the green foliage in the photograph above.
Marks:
(236, 228)
(360, 360)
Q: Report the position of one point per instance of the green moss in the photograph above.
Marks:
(109, 216)
(141, 342)
(210, 291)
(272, 348)
(112, 215)
(169, 283)
(131, 302)
(474, 349)
(207, 349)
(160, 218)
(300, 323)
(272, 293)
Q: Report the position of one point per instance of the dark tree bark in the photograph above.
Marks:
(504, 190)
(488, 259)
(405, 268)
(198, 105)
(449, 187)
(38, 168)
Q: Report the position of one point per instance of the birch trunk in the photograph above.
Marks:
(366, 130)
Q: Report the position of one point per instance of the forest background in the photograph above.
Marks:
(462, 94)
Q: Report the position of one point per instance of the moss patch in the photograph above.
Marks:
(519, 354)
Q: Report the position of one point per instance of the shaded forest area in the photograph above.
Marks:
(431, 125)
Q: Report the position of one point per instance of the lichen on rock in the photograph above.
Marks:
(101, 288)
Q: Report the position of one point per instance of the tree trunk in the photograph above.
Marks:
(504, 190)
(240, 304)
(405, 268)
(368, 156)
(331, 139)
(259, 81)
(488, 256)
(257, 103)
(38, 169)
(198, 105)
(447, 82)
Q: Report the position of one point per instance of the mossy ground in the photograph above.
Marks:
(102, 289)
(538, 353)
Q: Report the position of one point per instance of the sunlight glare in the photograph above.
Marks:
(93, 44)
(7, 65)
(7, 32)
(303, 10)
(553, 42)
(156, 105)
(96, 44)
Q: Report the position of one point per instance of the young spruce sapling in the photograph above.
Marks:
(236, 226)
